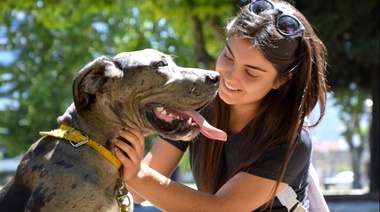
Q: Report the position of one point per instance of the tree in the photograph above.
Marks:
(356, 134)
(58, 38)
(55, 40)
(199, 23)
(353, 50)
(353, 44)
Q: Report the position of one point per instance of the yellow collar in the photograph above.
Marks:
(77, 139)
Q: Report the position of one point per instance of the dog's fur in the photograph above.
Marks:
(109, 94)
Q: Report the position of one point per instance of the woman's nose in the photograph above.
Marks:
(231, 73)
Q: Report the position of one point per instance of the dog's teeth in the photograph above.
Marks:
(189, 120)
(160, 109)
(170, 115)
(163, 112)
(193, 124)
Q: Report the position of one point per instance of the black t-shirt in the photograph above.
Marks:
(297, 171)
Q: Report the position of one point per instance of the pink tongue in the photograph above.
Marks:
(206, 129)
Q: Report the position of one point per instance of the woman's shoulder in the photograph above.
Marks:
(305, 139)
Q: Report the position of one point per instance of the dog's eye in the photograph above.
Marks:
(160, 64)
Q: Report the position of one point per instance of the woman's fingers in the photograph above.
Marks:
(130, 154)
(135, 137)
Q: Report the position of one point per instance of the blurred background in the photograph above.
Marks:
(43, 44)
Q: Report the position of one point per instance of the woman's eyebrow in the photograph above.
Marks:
(255, 67)
(247, 65)
(229, 49)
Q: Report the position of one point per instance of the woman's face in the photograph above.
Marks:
(245, 75)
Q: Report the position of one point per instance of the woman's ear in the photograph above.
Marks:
(282, 81)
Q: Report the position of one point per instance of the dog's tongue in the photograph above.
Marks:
(206, 129)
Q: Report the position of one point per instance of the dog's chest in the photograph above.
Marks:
(113, 208)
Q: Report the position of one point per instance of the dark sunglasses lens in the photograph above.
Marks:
(288, 25)
(259, 6)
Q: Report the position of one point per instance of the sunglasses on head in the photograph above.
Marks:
(286, 25)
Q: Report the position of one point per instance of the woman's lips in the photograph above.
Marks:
(229, 87)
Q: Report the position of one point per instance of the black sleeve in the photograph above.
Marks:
(181, 145)
(268, 166)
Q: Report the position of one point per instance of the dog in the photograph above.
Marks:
(144, 90)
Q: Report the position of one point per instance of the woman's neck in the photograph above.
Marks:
(240, 116)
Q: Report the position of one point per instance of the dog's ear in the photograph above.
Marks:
(93, 78)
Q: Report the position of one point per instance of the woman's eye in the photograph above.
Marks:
(160, 64)
(228, 58)
(250, 74)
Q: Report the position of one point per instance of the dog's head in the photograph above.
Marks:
(147, 91)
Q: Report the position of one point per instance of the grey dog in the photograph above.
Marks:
(144, 90)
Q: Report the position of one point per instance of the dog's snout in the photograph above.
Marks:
(212, 78)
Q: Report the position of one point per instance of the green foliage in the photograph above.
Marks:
(149, 139)
(350, 32)
(179, 15)
(184, 164)
(57, 38)
(343, 168)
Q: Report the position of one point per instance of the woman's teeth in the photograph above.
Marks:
(229, 87)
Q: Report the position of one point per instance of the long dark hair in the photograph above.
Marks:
(304, 57)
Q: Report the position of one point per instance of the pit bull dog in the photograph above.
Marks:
(73, 167)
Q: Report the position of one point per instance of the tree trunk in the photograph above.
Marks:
(217, 29)
(200, 54)
(357, 153)
(374, 134)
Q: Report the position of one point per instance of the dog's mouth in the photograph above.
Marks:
(185, 125)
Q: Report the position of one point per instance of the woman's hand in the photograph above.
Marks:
(130, 155)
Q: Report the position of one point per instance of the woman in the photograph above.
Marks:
(272, 70)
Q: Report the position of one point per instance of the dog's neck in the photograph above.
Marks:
(103, 131)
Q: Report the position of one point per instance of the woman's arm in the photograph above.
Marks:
(162, 157)
(316, 199)
(243, 192)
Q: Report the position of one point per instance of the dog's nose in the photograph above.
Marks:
(212, 78)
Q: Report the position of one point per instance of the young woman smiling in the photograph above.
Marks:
(272, 75)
